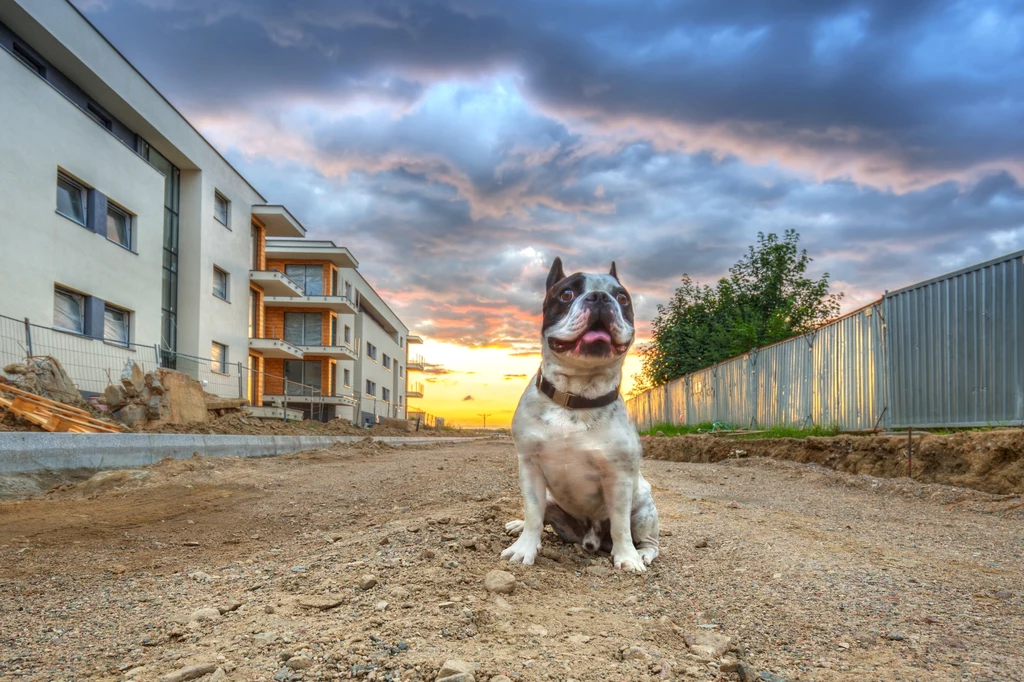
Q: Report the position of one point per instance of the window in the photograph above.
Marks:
(348, 334)
(71, 199)
(254, 247)
(371, 388)
(302, 377)
(334, 331)
(254, 314)
(220, 283)
(371, 351)
(385, 394)
(401, 371)
(119, 226)
(68, 311)
(115, 325)
(310, 278)
(100, 117)
(399, 398)
(387, 361)
(28, 59)
(303, 329)
(219, 355)
(348, 290)
(347, 378)
(221, 208)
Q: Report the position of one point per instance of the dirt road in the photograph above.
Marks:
(807, 574)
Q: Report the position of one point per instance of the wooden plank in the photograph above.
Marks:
(32, 413)
(62, 409)
(53, 420)
(43, 401)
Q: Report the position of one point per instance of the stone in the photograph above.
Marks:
(458, 677)
(385, 541)
(634, 653)
(428, 554)
(500, 582)
(114, 397)
(537, 631)
(450, 564)
(599, 571)
(701, 543)
(265, 638)
(1003, 594)
(469, 543)
(895, 636)
(708, 646)
(733, 505)
(366, 582)
(729, 665)
(299, 568)
(501, 678)
(208, 613)
(745, 672)
(380, 606)
(299, 663)
(454, 667)
(232, 605)
(132, 415)
(218, 675)
(320, 603)
(191, 672)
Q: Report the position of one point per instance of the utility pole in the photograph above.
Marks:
(485, 416)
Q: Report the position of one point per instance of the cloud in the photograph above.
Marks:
(468, 397)
(510, 377)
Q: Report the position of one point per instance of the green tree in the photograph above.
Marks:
(766, 298)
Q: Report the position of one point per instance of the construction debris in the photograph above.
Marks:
(48, 414)
(45, 376)
(146, 400)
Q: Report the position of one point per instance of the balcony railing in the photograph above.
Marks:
(415, 362)
(414, 390)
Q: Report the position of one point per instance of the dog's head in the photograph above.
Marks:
(588, 318)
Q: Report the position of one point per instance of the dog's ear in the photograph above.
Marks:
(612, 271)
(557, 273)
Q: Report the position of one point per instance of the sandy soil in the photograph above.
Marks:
(988, 460)
(788, 571)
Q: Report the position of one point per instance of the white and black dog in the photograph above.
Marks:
(579, 456)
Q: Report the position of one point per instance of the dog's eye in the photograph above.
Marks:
(567, 295)
(622, 299)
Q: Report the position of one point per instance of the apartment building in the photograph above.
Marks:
(122, 225)
(343, 352)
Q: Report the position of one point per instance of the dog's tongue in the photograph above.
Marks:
(597, 335)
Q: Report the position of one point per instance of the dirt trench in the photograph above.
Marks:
(990, 461)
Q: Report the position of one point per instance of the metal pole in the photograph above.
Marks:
(285, 414)
(28, 336)
(241, 381)
(910, 452)
(156, 354)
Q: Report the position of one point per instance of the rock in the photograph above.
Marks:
(500, 582)
(729, 665)
(320, 603)
(537, 631)
(299, 568)
(450, 564)
(459, 677)
(1003, 594)
(634, 653)
(895, 636)
(708, 646)
(469, 543)
(428, 554)
(208, 613)
(701, 543)
(385, 541)
(745, 672)
(579, 639)
(114, 397)
(199, 576)
(218, 675)
(366, 582)
(380, 606)
(454, 667)
(448, 537)
(132, 415)
(299, 663)
(232, 605)
(268, 609)
(265, 638)
(733, 505)
(501, 678)
(282, 675)
(191, 672)
(598, 570)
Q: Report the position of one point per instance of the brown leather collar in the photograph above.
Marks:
(572, 401)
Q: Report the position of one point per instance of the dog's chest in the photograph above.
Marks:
(573, 469)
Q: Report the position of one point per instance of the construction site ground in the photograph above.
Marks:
(368, 562)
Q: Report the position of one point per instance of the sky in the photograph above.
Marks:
(456, 147)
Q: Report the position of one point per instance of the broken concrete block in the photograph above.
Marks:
(114, 397)
(132, 415)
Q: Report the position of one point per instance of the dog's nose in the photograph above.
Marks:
(597, 297)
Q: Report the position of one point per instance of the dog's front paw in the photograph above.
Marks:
(515, 527)
(522, 551)
(648, 554)
(629, 562)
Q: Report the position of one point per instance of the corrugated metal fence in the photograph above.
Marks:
(946, 352)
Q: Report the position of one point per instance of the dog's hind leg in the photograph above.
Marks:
(568, 528)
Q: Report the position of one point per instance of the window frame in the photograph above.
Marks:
(306, 316)
(223, 361)
(83, 192)
(24, 55)
(98, 115)
(227, 284)
(107, 307)
(217, 194)
(346, 377)
(385, 394)
(80, 298)
(371, 351)
(371, 388)
(386, 361)
(129, 225)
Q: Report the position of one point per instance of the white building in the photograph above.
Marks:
(121, 226)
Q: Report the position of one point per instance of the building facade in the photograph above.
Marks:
(121, 224)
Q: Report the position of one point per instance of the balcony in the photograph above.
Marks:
(414, 338)
(280, 400)
(275, 283)
(338, 304)
(415, 362)
(276, 348)
(414, 390)
(343, 352)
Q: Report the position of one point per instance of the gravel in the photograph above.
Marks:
(814, 575)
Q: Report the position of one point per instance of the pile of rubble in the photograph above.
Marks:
(146, 400)
(45, 377)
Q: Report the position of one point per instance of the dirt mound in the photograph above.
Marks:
(236, 424)
(991, 461)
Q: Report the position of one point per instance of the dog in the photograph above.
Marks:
(579, 455)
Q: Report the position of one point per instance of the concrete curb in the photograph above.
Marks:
(23, 452)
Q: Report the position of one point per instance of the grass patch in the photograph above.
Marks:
(783, 431)
(685, 429)
(779, 431)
